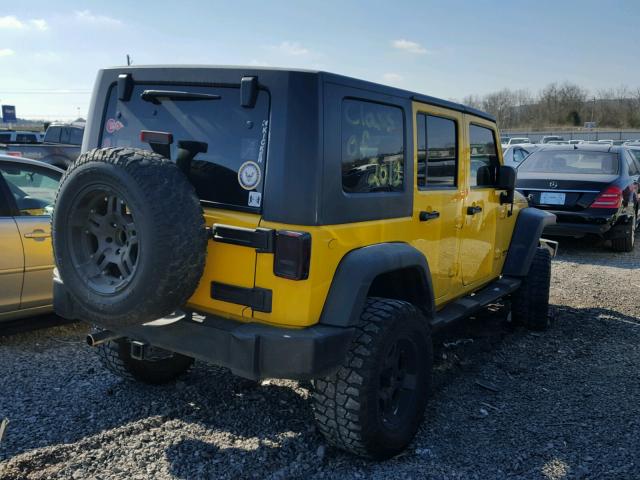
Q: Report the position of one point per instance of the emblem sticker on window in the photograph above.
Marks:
(249, 175)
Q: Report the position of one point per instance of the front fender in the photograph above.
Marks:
(530, 224)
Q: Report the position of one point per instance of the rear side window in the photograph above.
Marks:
(52, 135)
(571, 161)
(437, 151)
(33, 188)
(636, 158)
(519, 154)
(372, 147)
(75, 137)
(483, 150)
(5, 137)
(25, 138)
(231, 172)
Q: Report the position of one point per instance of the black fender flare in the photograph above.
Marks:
(358, 269)
(530, 224)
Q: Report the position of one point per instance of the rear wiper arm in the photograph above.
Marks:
(156, 96)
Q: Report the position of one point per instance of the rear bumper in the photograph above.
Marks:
(250, 350)
(570, 224)
(576, 229)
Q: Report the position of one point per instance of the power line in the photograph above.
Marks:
(46, 92)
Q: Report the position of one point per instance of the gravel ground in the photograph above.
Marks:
(507, 403)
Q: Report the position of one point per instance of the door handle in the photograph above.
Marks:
(473, 210)
(425, 216)
(37, 234)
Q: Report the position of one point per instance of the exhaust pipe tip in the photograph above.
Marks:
(103, 336)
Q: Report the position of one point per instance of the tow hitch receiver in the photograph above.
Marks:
(138, 350)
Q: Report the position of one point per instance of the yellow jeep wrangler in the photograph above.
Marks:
(291, 224)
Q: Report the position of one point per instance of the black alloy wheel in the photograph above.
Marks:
(105, 232)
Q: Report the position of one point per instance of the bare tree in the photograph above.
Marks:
(561, 105)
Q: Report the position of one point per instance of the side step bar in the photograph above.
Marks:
(469, 304)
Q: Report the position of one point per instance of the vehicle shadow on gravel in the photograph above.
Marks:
(595, 251)
(506, 402)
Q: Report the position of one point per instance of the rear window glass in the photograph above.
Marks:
(372, 147)
(571, 161)
(231, 172)
(5, 137)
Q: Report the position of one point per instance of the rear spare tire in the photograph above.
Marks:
(129, 237)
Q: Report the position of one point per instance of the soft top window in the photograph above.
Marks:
(231, 172)
(570, 161)
(372, 147)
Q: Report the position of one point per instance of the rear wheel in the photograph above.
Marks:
(627, 242)
(530, 303)
(373, 405)
(159, 366)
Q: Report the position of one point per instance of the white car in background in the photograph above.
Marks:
(515, 141)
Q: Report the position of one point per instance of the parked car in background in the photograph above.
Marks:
(60, 148)
(515, 141)
(16, 136)
(68, 134)
(515, 154)
(551, 138)
(557, 142)
(575, 142)
(605, 141)
(27, 192)
(592, 189)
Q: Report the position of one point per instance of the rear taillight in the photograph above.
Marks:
(608, 198)
(292, 255)
(14, 154)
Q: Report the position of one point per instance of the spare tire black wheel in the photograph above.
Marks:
(129, 236)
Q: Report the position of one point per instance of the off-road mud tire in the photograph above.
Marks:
(530, 303)
(347, 404)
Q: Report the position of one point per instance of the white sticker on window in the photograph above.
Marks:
(249, 175)
(255, 199)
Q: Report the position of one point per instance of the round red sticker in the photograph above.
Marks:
(113, 125)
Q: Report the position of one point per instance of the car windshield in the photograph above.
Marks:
(570, 161)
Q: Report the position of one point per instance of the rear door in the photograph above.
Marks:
(228, 178)
(481, 207)
(34, 189)
(438, 192)
(12, 257)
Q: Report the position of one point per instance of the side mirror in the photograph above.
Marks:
(506, 180)
(500, 178)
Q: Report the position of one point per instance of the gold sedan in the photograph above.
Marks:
(27, 192)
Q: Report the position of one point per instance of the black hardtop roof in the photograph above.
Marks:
(328, 76)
